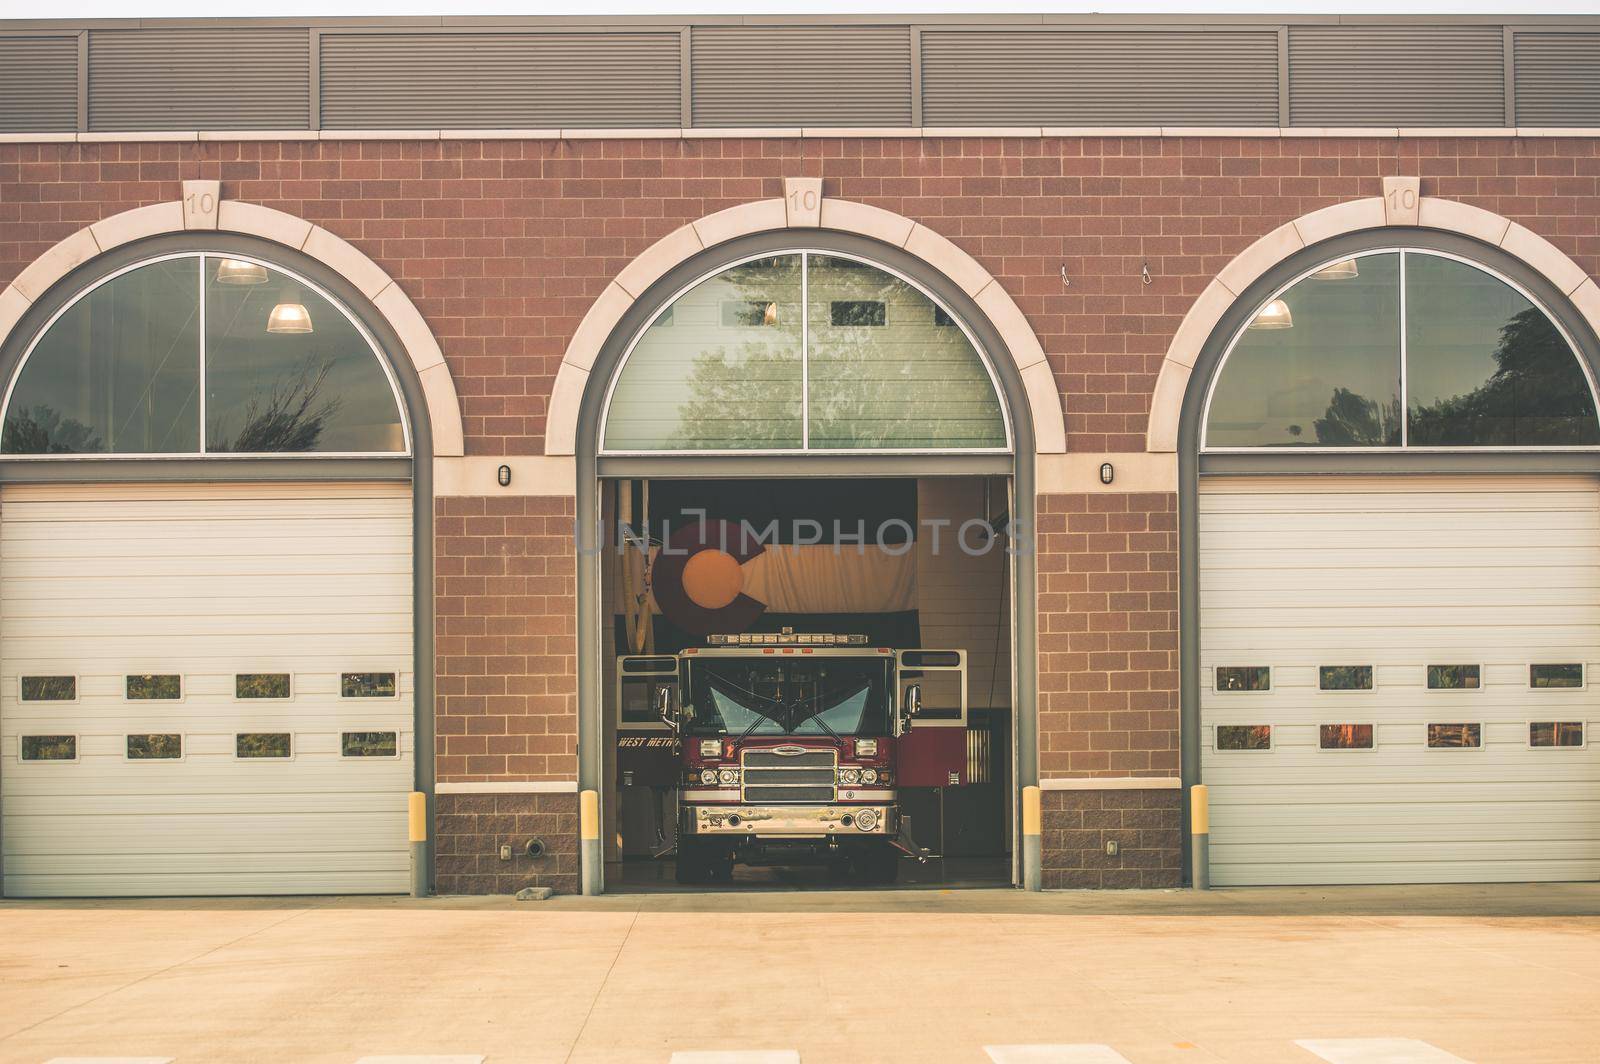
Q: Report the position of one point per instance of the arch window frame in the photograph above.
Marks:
(1404, 447)
(374, 350)
(805, 251)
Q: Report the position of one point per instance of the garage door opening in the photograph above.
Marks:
(807, 683)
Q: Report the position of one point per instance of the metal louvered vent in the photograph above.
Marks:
(501, 80)
(1396, 76)
(801, 76)
(38, 84)
(1558, 79)
(236, 78)
(1078, 78)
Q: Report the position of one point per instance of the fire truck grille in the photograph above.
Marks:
(804, 777)
(788, 794)
(809, 759)
(821, 776)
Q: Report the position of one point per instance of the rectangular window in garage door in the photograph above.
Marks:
(369, 685)
(369, 744)
(48, 688)
(1455, 678)
(153, 687)
(1236, 678)
(1557, 734)
(1545, 677)
(48, 747)
(1255, 738)
(154, 746)
(1346, 736)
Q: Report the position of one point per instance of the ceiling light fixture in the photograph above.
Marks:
(289, 318)
(1343, 270)
(1275, 315)
(237, 271)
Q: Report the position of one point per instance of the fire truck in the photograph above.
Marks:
(792, 748)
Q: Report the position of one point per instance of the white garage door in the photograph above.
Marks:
(205, 690)
(1397, 679)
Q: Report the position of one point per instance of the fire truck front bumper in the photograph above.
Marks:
(793, 821)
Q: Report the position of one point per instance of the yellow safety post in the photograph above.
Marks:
(589, 842)
(1200, 835)
(417, 823)
(1032, 840)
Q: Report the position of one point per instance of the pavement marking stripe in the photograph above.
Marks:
(1084, 1053)
(737, 1056)
(1377, 1051)
(444, 1058)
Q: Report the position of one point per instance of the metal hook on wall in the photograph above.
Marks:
(1066, 282)
(1144, 273)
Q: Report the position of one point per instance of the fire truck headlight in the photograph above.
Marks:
(708, 776)
(866, 820)
(710, 748)
(849, 776)
(866, 748)
(885, 777)
(728, 775)
(869, 775)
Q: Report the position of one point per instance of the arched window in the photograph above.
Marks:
(804, 351)
(1401, 348)
(202, 353)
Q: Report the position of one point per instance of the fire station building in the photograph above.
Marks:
(1222, 390)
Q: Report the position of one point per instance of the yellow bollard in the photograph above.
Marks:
(417, 828)
(589, 842)
(1200, 835)
(1032, 839)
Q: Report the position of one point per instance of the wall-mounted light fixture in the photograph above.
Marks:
(1106, 473)
(1343, 270)
(503, 475)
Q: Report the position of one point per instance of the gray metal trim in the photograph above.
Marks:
(814, 464)
(419, 467)
(1509, 47)
(83, 82)
(916, 76)
(314, 96)
(198, 470)
(1400, 462)
(1283, 76)
(685, 78)
(1021, 467)
(1192, 464)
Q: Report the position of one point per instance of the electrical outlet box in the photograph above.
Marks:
(1113, 847)
(505, 853)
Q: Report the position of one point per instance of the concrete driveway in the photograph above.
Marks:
(1359, 976)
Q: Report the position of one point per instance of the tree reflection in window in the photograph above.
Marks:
(745, 363)
(127, 368)
(1483, 366)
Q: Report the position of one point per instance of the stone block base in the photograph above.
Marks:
(471, 828)
(1145, 825)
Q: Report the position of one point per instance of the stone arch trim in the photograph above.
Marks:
(683, 243)
(249, 219)
(1432, 212)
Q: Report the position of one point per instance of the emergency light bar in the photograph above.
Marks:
(786, 638)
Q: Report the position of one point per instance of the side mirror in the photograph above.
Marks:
(913, 702)
(664, 707)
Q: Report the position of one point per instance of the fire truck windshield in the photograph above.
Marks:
(811, 696)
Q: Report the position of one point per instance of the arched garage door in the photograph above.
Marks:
(1397, 679)
(205, 690)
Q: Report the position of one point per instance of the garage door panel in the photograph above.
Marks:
(201, 884)
(1399, 574)
(100, 584)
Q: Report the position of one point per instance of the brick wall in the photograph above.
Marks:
(471, 828)
(1078, 824)
(507, 651)
(1108, 634)
(504, 244)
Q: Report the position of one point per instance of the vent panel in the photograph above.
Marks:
(1077, 78)
(1396, 76)
(501, 81)
(199, 79)
(1558, 79)
(38, 84)
(764, 76)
